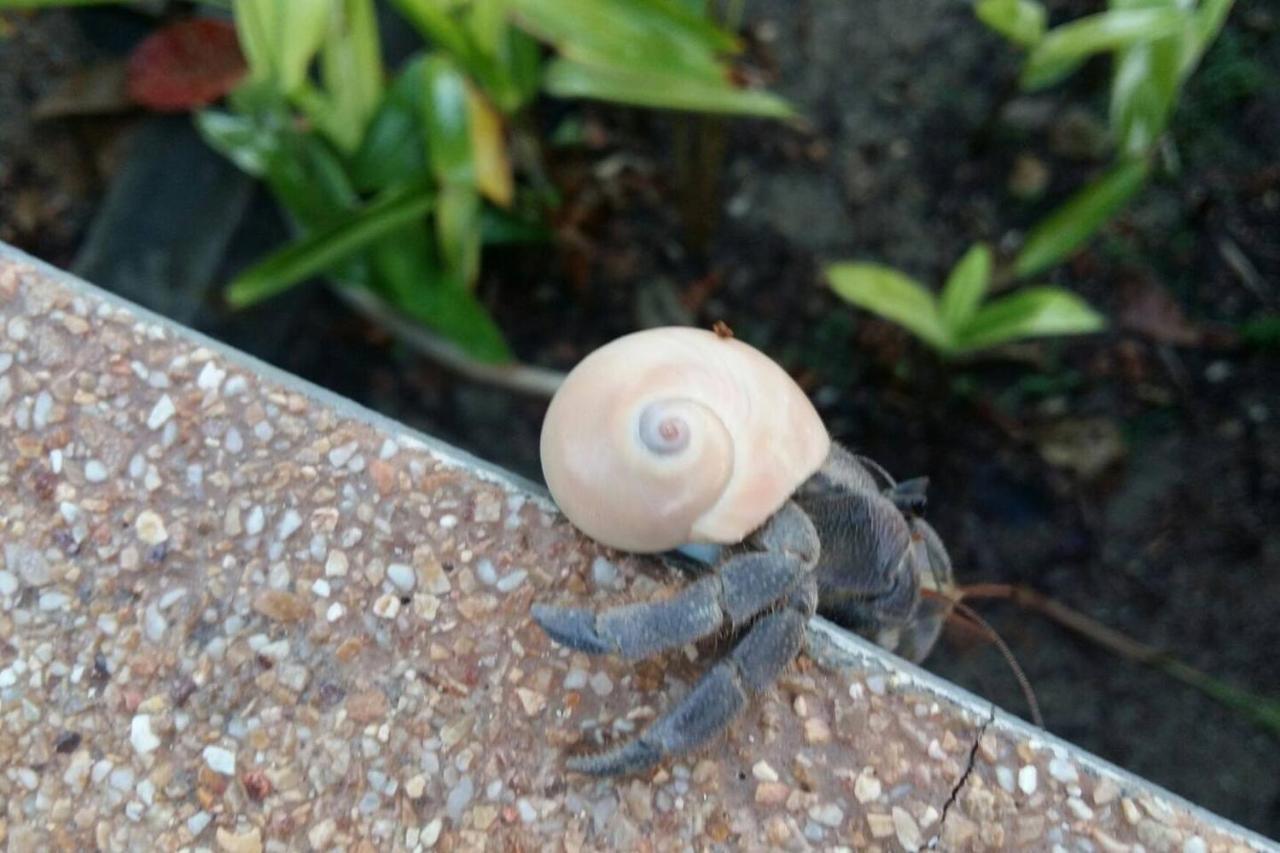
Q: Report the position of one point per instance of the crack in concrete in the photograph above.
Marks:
(968, 771)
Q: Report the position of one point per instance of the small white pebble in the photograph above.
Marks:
(601, 684)
(161, 413)
(1027, 779)
(604, 573)
(764, 772)
(1005, 777)
(255, 522)
(288, 525)
(431, 833)
(263, 430)
(235, 385)
(141, 736)
(234, 442)
(401, 576)
(95, 471)
(40, 412)
(321, 588)
(486, 573)
(387, 607)
(1079, 808)
(53, 600)
(1194, 844)
(336, 565)
(197, 822)
(340, 456)
(335, 611)
(576, 679)
(8, 583)
(876, 684)
(527, 812)
(1063, 770)
(828, 815)
(512, 581)
(220, 760)
(210, 377)
(150, 528)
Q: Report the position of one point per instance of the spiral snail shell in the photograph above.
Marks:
(671, 436)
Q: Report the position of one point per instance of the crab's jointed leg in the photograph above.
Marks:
(720, 695)
(741, 586)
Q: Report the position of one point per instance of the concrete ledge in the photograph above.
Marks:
(239, 613)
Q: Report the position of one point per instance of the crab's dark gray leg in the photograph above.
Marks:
(740, 587)
(721, 694)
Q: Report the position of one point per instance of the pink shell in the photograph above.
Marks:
(755, 439)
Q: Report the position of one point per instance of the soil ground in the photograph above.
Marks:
(1132, 475)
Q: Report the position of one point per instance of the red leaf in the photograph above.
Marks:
(185, 65)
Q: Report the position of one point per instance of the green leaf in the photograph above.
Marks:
(1064, 230)
(409, 274)
(444, 111)
(239, 139)
(394, 150)
(646, 88)
(432, 19)
(1020, 21)
(1206, 24)
(656, 35)
(280, 38)
(966, 286)
(1144, 88)
(351, 63)
(1032, 312)
(1064, 48)
(325, 247)
(894, 296)
(458, 231)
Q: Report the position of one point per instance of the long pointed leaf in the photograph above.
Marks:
(965, 288)
(444, 112)
(1032, 312)
(568, 79)
(1064, 48)
(351, 60)
(887, 292)
(1144, 88)
(328, 246)
(409, 274)
(650, 34)
(280, 38)
(1020, 21)
(1064, 230)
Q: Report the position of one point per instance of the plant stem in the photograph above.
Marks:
(1260, 709)
(514, 376)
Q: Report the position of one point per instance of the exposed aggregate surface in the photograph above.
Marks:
(237, 615)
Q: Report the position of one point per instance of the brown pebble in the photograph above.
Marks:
(256, 784)
(280, 606)
(772, 793)
(367, 706)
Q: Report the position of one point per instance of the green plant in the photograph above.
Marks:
(1154, 45)
(961, 320)
(394, 183)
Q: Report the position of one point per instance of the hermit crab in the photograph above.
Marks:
(674, 436)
